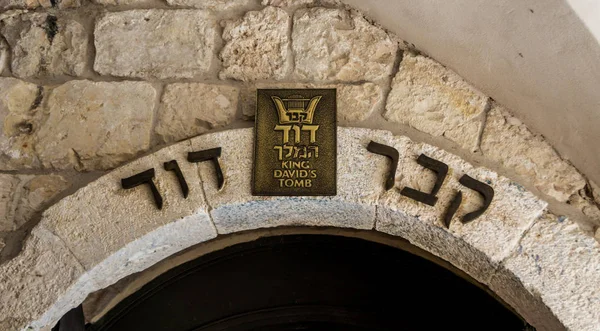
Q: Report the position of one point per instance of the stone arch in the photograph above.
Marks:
(103, 233)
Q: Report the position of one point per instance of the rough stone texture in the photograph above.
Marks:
(528, 304)
(32, 4)
(117, 118)
(122, 2)
(214, 5)
(45, 271)
(287, 3)
(22, 196)
(19, 120)
(155, 43)
(584, 201)
(256, 46)
(558, 261)
(45, 45)
(335, 44)
(235, 209)
(114, 232)
(494, 234)
(4, 55)
(507, 141)
(354, 102)
(188, 110)
(435, 100)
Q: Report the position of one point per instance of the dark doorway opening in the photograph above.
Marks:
(309, 282)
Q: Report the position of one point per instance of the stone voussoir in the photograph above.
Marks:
(433, 99)
(337, 44)
(189, 109)
(155, 43)
(117, 117)
(33, 4)
(45, 44)
(19, 120)
(556, 259)
(508, 141)
(21, 196)
(256, 46)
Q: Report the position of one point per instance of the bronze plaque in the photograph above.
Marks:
(295, 145)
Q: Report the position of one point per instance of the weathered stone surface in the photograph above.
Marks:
(354, 102)
(256, 46)
(435, 100)
(214, 5)
(287, 3)
(584, 201)
(45, 45)
(507, 141)
(116, 117)
(34, 280)
(235, 209)
(32, 4)
(114, 232)
(122, 2)
(562, 264)
(155, 43)
(494, 234)
(528, 304)
(21, 196)
(188, 110)
(335, 44)
(4, 55)
(19, 120)
(357, 102)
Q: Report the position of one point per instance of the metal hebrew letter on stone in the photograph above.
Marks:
(485, 190)
(441, 170)
(390, 152)
(144, 177)
(213, 155)
(174, 166)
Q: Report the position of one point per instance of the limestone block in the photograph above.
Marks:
(4, 55)
(287, 3)
(45, 45)
(528, 304)
(123, 2)
(22, 196)
(116, 117)
(32, 4)
(235, 209)
(42, 274)
(584, 201)
(155, 43)
(556, 259)
(19, 120)
(435, 100)
(495, 233)
(354, 102)
(8, 189)
(214, 5)
(114, 232)
(335, 44)
(189, 109)
(256, 46)
(509, 142)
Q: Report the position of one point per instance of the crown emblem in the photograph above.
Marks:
(295, 109)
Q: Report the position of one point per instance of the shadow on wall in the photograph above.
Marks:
(539, 58)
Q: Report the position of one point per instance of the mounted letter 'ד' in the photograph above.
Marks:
(295, 146)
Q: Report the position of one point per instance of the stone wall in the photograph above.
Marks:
(89, 85)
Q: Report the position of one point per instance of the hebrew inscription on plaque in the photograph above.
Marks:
(295, 147)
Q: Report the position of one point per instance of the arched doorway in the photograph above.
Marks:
(310, 282)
